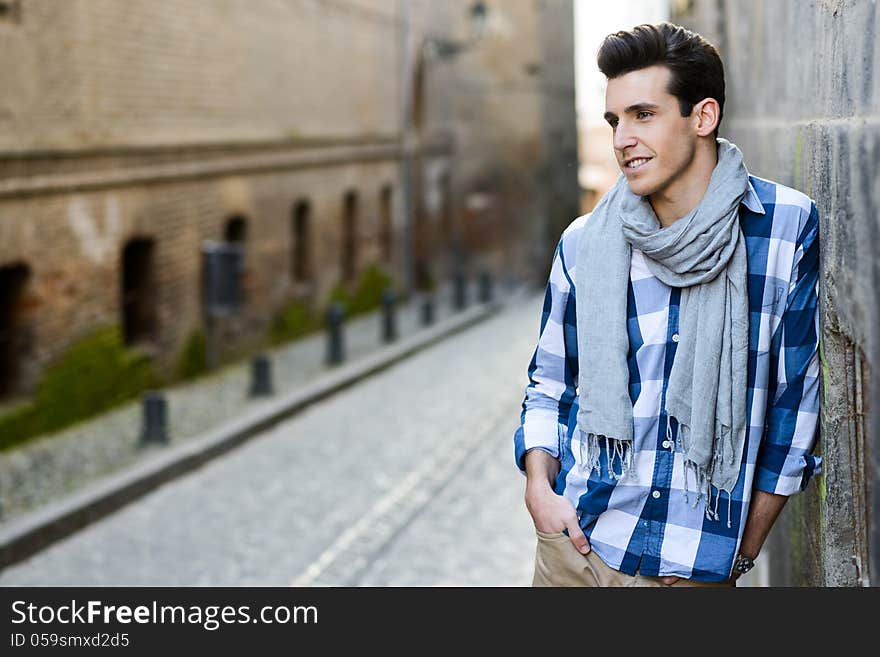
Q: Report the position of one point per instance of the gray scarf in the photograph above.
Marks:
(703, 253)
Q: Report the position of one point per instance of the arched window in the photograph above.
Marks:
(349, 236)
(300, 257)
(236, 230)
(13, 282)
(386, 231)
(138, 292)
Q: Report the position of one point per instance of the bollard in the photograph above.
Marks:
(155, 428)
(459, 290)
(485, 286)
(427, 310)
(335, 346)
(389, 325)
(261, 376)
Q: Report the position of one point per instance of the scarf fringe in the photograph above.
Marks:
(622, 450)
(704, 489)
(590, 454)
(703, 475)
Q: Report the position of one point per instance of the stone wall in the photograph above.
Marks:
(803, 91)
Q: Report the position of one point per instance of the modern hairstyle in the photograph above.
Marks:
(697, 71)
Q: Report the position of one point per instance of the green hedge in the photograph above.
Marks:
(193, 358)
(93, 375)
(293, 321)
(367, 294)
(98, 372)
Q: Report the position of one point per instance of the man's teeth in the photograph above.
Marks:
(635, 164)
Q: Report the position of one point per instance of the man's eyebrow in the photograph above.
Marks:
(638, 107)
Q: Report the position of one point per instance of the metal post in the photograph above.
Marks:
(459, 290)
(211, 357)
(427, 310)
(261, 376)
(335, 337)
(485, 286)
(155, 418)
(389, 325)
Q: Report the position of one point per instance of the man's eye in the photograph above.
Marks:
(641, 113)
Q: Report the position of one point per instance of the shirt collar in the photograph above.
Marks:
(751, 200)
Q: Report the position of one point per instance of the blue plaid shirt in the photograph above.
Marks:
(645, 524)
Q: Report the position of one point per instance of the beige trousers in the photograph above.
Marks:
(558, 563)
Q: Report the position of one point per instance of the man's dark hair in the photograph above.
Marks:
(697, 71)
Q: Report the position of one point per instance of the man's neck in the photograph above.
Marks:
(685, 194)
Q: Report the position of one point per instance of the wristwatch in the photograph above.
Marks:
(743, 564)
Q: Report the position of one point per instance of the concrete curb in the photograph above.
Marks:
(34, 531)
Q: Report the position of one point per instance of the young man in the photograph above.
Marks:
(672, 401)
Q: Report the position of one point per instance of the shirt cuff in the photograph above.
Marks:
(537, 432)
(793, 478)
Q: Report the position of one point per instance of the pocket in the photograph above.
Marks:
(551, 536)
(778, 295)
(558, 563)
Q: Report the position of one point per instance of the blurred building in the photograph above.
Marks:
(322, 136)
(810, 120)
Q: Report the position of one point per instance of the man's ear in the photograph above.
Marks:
(706, 114)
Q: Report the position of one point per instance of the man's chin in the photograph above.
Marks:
(640, 188)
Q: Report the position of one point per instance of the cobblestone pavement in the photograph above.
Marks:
(407, 478)
(53, 466)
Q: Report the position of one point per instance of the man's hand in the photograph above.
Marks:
(550, 512)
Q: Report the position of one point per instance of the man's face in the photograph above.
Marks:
(649, 131)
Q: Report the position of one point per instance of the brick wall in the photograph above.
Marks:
(73, 244)
(163, 119)
(108, 72)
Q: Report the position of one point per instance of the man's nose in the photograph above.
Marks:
(623, 138)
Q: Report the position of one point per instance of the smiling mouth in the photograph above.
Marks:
(636, 164)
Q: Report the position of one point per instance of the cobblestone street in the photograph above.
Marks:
(406, 479)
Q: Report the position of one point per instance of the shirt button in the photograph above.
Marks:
(667, 444)
(675, 337)
(656, 494)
